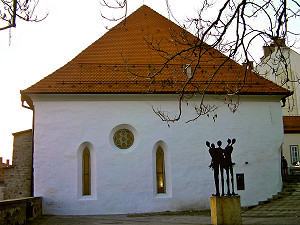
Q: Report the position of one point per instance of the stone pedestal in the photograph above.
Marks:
(226, 210)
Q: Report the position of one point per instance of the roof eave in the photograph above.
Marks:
(284, 94)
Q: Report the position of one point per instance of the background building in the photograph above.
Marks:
(281, 64)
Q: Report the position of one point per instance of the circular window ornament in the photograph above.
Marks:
(123, 138)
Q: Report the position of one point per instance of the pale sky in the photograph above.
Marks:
(38, 49)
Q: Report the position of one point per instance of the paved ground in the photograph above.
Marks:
(285, 204)
(151, 220)
(283, 209)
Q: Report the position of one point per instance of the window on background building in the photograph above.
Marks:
(160, 171)
(86, 172)
(294, 154)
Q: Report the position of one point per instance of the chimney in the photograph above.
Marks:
(188, 71)
(248, 65)
(7, 161)
(279, 42)
(268, 50)
(1, 160)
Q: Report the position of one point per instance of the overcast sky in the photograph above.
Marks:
(38, 49)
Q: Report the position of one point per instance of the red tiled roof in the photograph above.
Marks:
(111, 63)
(291, 124)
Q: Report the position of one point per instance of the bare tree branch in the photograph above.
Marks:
(22, 9)
(234, 31)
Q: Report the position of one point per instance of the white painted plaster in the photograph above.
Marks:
(123, 183)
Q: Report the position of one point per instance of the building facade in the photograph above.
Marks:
(281, 64)
(100, 149)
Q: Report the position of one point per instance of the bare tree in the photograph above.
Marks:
(234, 30)
(11, 10)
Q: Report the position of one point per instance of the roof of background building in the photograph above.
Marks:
(291, 124)
(123, 60)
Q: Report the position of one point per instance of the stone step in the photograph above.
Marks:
(284, 193)
(291, 181)
(263, 202)
(288, 189)
(275, 197)
(291, 186)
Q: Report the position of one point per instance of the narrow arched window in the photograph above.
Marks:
(160, 171)
(86, 172)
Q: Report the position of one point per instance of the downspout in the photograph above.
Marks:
(32, 183)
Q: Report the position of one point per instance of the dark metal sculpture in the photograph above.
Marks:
(216, 163)
(228, 165)
(220, 160)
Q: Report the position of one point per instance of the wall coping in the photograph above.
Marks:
(13, 201)
(22, 132)
(8, 167)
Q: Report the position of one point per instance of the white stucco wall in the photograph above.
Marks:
(124, 182)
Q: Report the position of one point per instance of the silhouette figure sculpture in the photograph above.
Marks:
(228, 165)
(217, 159)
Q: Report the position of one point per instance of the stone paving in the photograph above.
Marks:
(283, 208)
(286, 203)
(153, 220)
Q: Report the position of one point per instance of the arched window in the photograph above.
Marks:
(86, 172)
(160, 171)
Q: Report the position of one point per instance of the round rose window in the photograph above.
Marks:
(123, 138)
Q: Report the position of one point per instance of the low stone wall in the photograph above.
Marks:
(20, 211)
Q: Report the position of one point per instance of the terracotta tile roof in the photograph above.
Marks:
(291, 124)
(111, 63)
